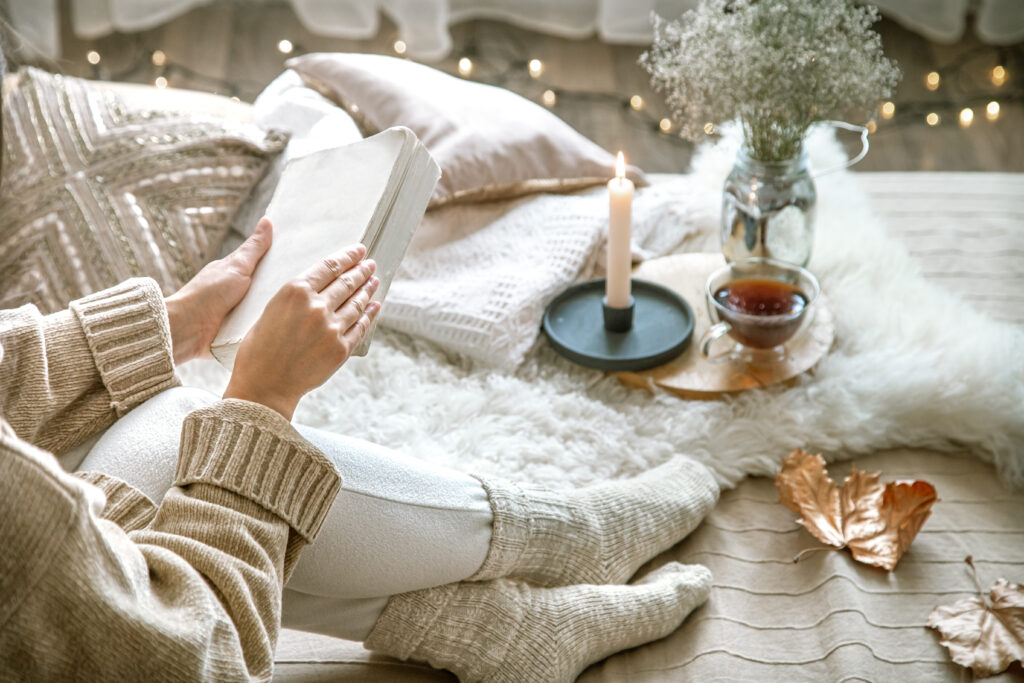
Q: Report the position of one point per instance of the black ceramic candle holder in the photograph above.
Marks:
(654, 329)
(618, 319)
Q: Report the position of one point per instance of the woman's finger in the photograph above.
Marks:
(357, 331)
(351, 310)
(327, 270)
(248, 254)
(343, 287)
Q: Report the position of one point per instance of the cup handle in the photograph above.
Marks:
(864, 144)
(714, 332)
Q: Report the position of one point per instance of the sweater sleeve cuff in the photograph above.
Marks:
(254, 451)
(126, 506)
(128, 334)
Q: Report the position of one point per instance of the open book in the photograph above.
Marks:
(374, 191)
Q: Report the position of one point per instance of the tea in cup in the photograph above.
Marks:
(761, 303)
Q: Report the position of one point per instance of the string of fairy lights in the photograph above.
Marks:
(967, 101)
(975, 99)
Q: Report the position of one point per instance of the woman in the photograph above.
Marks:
(165, 557)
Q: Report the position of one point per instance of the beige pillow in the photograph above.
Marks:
(489, 142)
(100, 183)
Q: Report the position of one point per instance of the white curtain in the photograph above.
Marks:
(423, 24)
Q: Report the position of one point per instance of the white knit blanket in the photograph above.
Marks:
(912, 366)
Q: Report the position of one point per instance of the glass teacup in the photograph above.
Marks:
(762, 304)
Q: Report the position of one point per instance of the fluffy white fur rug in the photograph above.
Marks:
(912, 366)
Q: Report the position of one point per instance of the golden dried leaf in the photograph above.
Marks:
(985, 636)
(876, 522)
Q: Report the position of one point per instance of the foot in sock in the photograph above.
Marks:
(598, 534)
(509, 631)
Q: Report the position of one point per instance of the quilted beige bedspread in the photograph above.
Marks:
(827, 617)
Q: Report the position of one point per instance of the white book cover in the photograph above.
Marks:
(330, 200)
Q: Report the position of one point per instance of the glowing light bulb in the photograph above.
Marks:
(400, 47)
(92, 57)
(966, 117)
(535, 67)
(871, 126)
(465, 66)
(636, 102)
(285, 46)
(998, 75)
(665, 125)
(160, 82)
(709, 128)
(932, 119)
(992, 110)
(159, 58)
(888, 109)
(931, 81)
(548, 98)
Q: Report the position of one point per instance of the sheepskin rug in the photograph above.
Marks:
(912, 366)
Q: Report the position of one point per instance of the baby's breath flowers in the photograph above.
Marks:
(776, 65)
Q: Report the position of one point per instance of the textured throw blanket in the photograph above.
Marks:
(912, 365)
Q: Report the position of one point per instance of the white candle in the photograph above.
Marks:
(620, 207)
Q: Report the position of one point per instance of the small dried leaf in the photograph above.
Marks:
(806, 489)
(987, 637)
(904, 508)
(876, 522)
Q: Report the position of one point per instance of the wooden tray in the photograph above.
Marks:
(693, 376)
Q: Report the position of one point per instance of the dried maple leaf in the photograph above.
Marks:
(987, 637)
(876, 522)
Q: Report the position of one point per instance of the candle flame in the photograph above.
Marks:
(620, 166)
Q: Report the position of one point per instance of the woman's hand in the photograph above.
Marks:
(197, 310)
(306, 332)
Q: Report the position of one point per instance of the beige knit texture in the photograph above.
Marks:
(254, 451)
(96, 583)
(599, 534)
(506, 631)
(67, 375)
(126, 506)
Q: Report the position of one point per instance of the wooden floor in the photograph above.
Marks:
(231, 48)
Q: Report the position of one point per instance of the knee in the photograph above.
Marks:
(179, 400)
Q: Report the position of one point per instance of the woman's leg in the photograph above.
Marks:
(398, 524)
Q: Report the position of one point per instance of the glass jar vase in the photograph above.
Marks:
(768, 209)
(768, 206)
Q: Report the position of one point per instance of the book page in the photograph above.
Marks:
(322, 203)
(417, 186)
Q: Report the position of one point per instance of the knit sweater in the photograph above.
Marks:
(97, 583)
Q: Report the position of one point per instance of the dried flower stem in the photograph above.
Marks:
(974, 575)
(805, 551)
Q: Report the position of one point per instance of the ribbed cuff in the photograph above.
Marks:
(467, 628)
(130, 339)
(126, 506)
(407, 619)
(254, 451)
(510, 528)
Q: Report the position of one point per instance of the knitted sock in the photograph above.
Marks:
(506, 631)
(599, 534)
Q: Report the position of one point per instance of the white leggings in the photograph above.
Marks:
(397, 525)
